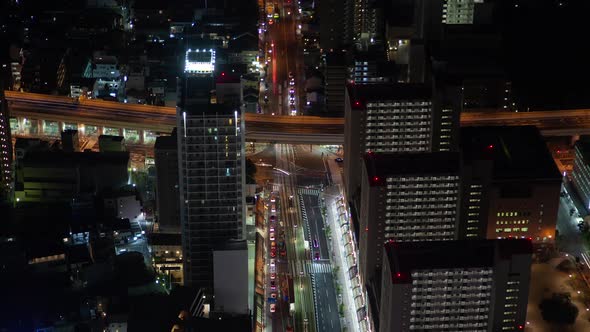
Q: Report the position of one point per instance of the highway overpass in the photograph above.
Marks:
(38, 114)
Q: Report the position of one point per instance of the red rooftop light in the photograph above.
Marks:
(222, 73)
(399, 275)
(491, 146)
(375, 179)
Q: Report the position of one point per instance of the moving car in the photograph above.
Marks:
(273, 307)
(273, 253)
(273, 285)
(317, 256)
(339, 160)
(273, 218)
(315, 243)
(273, 276)
(272, 236)
(273, 295)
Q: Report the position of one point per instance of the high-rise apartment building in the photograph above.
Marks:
(406, 198)
(511, 185)
(211, 169)
(396, 118)
(468, 285)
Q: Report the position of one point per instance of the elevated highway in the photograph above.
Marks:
(152, 120)
(107, 115)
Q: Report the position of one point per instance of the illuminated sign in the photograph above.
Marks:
(199, 61)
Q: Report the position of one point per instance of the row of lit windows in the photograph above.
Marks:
(399, 228)
(424, 178)
(512, 222)
(454, 303)
(513, 214)
(445, 280)
(380, 126)
(420, 192)
(523, 229)
(371, 106)
(451, 272)
(421, 200)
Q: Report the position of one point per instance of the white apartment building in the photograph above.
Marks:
(468, 285)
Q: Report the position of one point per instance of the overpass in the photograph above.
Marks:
(48, 115)
(39, 114)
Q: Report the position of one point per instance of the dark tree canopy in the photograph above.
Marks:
(559, 309)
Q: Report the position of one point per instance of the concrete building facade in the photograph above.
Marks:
(469, 285)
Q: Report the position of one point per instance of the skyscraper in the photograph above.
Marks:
(211, 168)
(469, 285)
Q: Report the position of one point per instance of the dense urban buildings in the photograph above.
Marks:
(468, 285)
(317, 166)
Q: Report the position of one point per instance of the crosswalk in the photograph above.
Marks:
(318, 267)
(308, 191)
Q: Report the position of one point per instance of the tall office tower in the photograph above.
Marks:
(396, 118)
(511, 185)
(167, 183)
(468, 285)
(5, 150)
(211, 169)
(406, 198)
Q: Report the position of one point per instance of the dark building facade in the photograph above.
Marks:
(167, 191)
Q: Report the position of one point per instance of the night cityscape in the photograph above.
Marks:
(294, 165)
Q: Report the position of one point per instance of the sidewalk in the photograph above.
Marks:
(343, 251)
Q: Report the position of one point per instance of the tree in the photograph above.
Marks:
(559, 309)
(250, 172)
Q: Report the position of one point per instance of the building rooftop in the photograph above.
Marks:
(405, 257)
(517, 152)
(364, 93)
(198, 109)
(381, 165)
